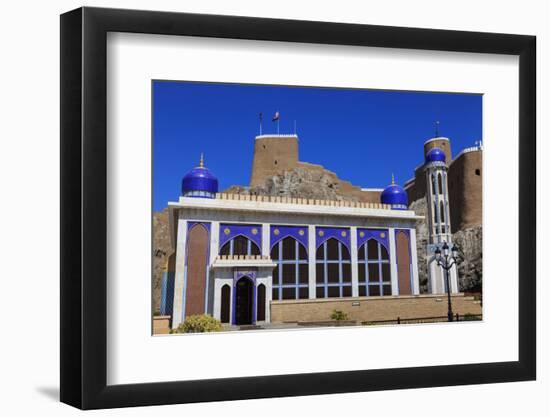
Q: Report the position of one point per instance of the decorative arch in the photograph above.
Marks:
(402, 244)
(252, 232)
(196, 269)
(381, 235)
(440, 183)
(342, 234)
(240, 245)
(300, 233)
(244, 301)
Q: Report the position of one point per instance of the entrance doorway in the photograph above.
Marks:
(244, 296)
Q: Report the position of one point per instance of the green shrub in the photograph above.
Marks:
(199, 323)
(339, 315)
(470, 317)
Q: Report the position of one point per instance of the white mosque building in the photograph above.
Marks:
(256, 260)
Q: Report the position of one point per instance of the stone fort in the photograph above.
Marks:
(276, 154)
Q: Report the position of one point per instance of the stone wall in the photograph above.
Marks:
(363, 309)
(465, 191)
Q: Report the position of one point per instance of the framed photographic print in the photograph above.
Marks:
(258, 208)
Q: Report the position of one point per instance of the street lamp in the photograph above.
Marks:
(446, 261)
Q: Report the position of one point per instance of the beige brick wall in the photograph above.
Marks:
(372, 308)
(161, 324)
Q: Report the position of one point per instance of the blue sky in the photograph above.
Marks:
(362, 135)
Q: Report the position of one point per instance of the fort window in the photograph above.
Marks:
(240, 245)
(374, 269)
(333, 267)
(290, 275)
(275, 162)
(478, 172)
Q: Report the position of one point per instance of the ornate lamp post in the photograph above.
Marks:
(447, 261)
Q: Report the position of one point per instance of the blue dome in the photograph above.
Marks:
(395, 196)
(199, 182)
(435, 155)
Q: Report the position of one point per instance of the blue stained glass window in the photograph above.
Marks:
(291, 274)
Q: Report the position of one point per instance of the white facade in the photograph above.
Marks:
(352, 220)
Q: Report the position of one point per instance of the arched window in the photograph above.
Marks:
(440, 180)
(442, 215)
(260, 303)
(240, 245)
(225, 304)
(433, 184)
(290, 275)
(333, 270)
(374, 269)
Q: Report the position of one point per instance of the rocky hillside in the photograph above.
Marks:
(300, 183)
(468, 240)
(161, 251)
(471, 270)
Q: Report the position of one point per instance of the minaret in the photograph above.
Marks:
(437, 213)
(437, 196)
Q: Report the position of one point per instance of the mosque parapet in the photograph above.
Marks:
(303, 201)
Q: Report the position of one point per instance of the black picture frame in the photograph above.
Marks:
(84, 207)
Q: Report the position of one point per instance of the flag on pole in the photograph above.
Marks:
(276, 117)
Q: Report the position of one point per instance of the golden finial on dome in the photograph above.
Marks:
(392, 179)
(201, 163)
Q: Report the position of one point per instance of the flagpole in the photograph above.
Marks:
(260, 124)
(278, 121)
(295, 127)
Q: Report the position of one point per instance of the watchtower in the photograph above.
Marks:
(273, 154)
